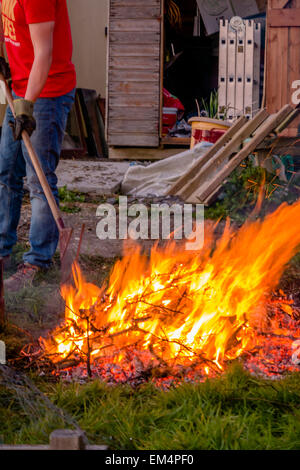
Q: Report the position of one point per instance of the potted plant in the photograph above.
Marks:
(206, 127)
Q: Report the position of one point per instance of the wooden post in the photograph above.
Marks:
(66, 439)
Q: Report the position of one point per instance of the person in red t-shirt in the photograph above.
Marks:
(38, 43)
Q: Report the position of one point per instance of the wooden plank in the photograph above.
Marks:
(282, 72)
(96, 140)
(117, 112)
(101, 102)
(223, 154)
(87, 99)
(67, 439)
(128, 50)
(133, 140)
(117, 75)
(213, 196)
(272, 67)
(23, 447)
(132, 101)
(44, 447)
(134, 3)
(284, 18)
(134, 37)
(130, 126)
(133, 87)
(181, 141)
(130, 25)
(287, 121)
(142, 153)
(264, 130)
(135, 63)
(135, 11)
(209, 154)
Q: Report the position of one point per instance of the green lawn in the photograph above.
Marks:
(236, 411)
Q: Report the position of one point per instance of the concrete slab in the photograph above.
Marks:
(92, 177)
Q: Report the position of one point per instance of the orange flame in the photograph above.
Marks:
(183, 307)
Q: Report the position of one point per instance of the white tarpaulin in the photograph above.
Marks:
(157, 178)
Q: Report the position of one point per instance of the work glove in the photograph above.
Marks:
(4, 68)
(24, 120)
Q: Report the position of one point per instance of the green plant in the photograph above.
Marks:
(210, 106)
(66, 195)
(239, 195)
(70, 209)
(69, 197)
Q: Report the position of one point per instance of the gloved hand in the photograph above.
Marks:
(24, 120)
(4, 68)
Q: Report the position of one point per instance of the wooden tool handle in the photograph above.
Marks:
(36, 163)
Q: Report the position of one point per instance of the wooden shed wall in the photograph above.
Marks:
(134, 68)
(283, 56)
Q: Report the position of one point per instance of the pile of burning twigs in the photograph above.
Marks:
(178, 315)
(276, 352)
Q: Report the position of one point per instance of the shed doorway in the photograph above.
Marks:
(191, 60)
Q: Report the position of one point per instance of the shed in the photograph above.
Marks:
(136, 66)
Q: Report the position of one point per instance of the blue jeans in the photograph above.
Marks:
(51, 117)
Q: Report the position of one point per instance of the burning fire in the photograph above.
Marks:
(186, 309)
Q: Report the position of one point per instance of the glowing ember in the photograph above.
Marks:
(191, 310)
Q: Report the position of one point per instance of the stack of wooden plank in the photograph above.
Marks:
(86, 126)
(203, 180)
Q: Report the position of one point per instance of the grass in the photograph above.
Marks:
(68, 200)
(235, 412)
(66, 195)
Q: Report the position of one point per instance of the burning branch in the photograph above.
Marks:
(181, 309)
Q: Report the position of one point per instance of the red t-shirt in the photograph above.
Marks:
(16, 16)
